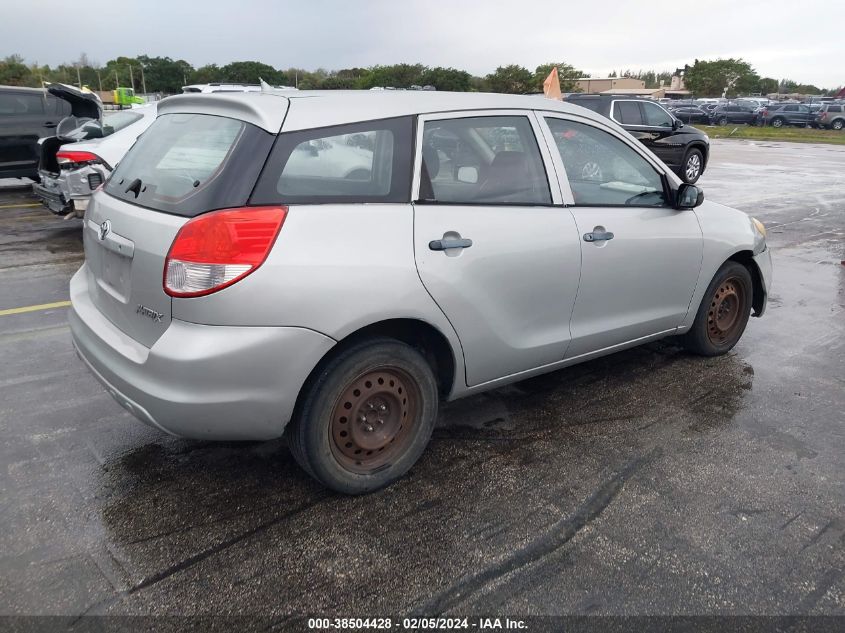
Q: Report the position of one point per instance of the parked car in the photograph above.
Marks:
(26, 115)
(732, 113)
(690, 114)
(684, 149)
(831, 115)
(224, 296)
(787, 114)
(70, 173)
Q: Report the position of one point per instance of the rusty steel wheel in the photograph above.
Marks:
(373, 419)
(725, 312)
(366, 417)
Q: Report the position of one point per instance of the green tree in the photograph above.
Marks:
(14, 72)
(249, 72)
(162, 74)
(768, 85)
(513, 79)
(207, 74)
(446, 79)
(567, 73)
(395, 76)
(728, 77)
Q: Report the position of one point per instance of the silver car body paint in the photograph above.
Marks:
(529, 296)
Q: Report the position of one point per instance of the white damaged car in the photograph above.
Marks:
(85, 150)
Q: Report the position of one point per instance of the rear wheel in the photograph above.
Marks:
(367, 418)
(837, 124)
(723, 313)
(693, 166)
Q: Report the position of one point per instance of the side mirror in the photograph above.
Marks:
(688, 197)
(468, 175)
(677, 124)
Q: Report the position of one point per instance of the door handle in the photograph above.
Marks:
(445, 245)
(598, 236)
(49, 124)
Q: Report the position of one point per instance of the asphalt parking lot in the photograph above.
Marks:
(648, 482)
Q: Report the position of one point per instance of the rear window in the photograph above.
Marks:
(186, 164)
(834, 108)
(361, 162)
(628, 112)
(112, 122)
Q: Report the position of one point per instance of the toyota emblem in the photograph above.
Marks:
(105, 229)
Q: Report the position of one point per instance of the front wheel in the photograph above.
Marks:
(367, 417)
(837, 124)
(723, 313)
(777, 122)
(723, 121)
(693, 166)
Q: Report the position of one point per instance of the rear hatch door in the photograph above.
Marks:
(184, 165)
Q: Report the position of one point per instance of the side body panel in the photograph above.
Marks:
(335, 268)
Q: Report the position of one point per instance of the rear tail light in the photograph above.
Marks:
(217, 249)
(66, 158)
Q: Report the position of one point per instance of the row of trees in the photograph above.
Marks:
(166, 75)
(734, 77)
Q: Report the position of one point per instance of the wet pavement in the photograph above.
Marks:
(647, 482)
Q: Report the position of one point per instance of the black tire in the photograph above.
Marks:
(313, 435)
(837, 124)
(777, 122)
(715, 332)
(689, 173)
(723, 121)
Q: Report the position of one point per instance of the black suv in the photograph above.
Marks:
(26, 114)
(682, 147)
(732, 113)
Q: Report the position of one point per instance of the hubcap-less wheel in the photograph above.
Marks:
(723, 121)
(693, 166)
(725, 313)
(373, 419)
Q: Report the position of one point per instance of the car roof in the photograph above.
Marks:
(323, 108)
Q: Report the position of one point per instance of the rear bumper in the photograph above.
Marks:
(51, 195)
(70, 189)
(199, 381)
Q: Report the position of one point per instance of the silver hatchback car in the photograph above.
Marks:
(331, 265)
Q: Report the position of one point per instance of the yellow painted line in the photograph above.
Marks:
(20, 206)
(42, 306)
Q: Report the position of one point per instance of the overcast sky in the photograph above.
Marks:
(800, 40)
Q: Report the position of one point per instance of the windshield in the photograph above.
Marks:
(180, 165)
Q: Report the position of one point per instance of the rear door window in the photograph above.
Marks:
(361, 162)
(628, 112)
(482, 160)
(186, 164)
(21, 104)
